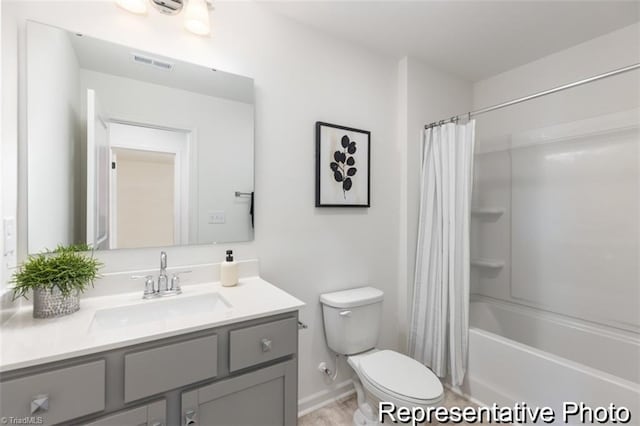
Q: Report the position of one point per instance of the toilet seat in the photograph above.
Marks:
(400, 400)
(400, 377)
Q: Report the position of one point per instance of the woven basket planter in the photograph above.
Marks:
(51, 303)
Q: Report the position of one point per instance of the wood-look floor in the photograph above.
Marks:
(340, 413)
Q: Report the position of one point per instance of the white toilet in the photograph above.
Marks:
(352, 324)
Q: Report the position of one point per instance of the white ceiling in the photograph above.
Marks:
(473, 39)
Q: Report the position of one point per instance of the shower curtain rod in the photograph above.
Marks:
(470, 114)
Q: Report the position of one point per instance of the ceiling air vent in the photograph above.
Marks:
(152, 62)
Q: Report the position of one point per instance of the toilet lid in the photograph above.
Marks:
(401, 375)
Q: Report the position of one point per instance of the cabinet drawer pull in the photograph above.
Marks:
(266, 345)
(40, 403)
(190, 418)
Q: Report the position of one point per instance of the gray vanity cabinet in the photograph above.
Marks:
(249, 346)
(243, 374)
(148, 372)
(148, 415)
(55, 395)
(266, 397)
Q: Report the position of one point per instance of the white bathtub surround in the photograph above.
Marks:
(599, 347)
(506, 371)
(440, 315)
(100, 324)
(563, 171)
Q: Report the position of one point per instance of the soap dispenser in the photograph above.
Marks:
(229, 271)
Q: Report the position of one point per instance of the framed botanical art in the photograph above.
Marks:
(342, 166)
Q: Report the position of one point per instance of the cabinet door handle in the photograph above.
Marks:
(266, 345)
(40, 403)
(191, 418)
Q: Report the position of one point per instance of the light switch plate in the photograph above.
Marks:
(9, 248)
(217, 217)
(9, 236)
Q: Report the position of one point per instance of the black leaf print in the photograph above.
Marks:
(338, 166)
(346, 185)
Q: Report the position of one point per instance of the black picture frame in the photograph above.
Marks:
(330, 191)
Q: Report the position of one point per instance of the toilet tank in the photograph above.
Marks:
(352, 319)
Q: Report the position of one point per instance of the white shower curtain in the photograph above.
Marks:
(440, 315)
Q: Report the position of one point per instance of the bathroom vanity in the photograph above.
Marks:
(199, 358)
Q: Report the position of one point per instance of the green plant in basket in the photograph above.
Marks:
(55, 277)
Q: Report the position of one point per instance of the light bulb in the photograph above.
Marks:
(134, 6)
(196, 17)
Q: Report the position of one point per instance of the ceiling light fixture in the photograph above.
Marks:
(196, 12)
(196, 17)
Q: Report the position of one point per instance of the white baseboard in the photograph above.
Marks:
(460, 392)
(325, 397)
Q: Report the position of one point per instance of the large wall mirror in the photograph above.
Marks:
(127, 149)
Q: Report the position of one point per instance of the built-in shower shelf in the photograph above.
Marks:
(487, 211)
(487, 263)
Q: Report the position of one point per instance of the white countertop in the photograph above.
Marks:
(25, 341)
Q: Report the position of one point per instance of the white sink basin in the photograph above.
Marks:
(174, 308)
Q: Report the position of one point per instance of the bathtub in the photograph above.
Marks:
(521, 354)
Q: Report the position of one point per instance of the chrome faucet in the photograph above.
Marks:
(166, 286)
(163, 280)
